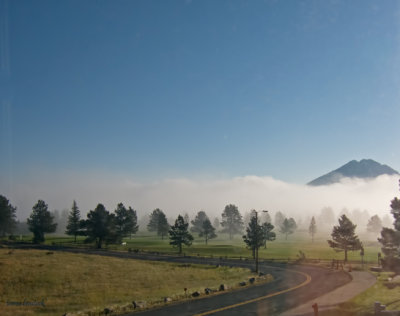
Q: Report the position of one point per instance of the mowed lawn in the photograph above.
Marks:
(68, 282)
(280, 249)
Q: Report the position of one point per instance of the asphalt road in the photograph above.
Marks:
(292, 286)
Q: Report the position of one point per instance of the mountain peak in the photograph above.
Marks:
(365, 168)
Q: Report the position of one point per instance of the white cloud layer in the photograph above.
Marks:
(180, 195)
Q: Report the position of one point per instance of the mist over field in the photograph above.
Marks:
(183, 195)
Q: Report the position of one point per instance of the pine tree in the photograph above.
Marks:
(125, 221)
(179, 234)
(158, 223)
(288, 227)
(197, 223)
(268, 234)
(207, 231)
(216, 223)
(390, 239)
(344, 237)
(312, 229)
(374, 224)
(395, 206)
(279, 218)
(254, 237)
(232, 222)
(41, 221)
(74, 218)
(265, 217)
(186, 218)
(7, 216)
(100, 226)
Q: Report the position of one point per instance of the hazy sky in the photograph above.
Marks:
(156, 90)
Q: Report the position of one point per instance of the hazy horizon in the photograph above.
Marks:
(210, 194)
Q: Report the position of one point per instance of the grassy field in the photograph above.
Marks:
(95, 294)
(280, 249)
(72, 282)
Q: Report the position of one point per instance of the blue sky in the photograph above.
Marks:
(158, 89)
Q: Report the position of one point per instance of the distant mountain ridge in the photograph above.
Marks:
(365, 168)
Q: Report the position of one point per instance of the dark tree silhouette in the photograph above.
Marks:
(125, 221)
(100, 226)
(395, 206)
(344, 237)
(74, 218)
(7, 216)
(254, 237)
(232, 222)
(179, 234)
(207, 231)
(312, 229)
(390, 239)
(268, 234)
(158, 223)
(41, 221)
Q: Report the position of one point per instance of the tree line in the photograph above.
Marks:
(102, 226)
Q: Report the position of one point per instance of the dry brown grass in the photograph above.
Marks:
(68, 282)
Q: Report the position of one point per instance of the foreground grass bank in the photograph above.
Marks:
(65, 282)
(363, 304)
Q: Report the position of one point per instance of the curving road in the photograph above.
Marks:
(292, 286)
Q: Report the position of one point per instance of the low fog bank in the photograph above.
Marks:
(182, 195)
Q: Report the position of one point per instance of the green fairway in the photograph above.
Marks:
(280, 249)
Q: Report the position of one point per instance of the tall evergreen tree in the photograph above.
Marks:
(7, 216)
(395, 210)
(158, 223)
(326, 218)
(268, 234)
(279, 219)
(216, 223)
(186, 218)
(344, 237)
(100, 226)
(197, 223)
(207, 231)
(312, 229)
(125, 221)
(41, 221)
(232, 222)
(288, 227)
(265, 217)
(374, 224)
(254, 237)
(74, 219)
(179, 234)
(390, 239)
